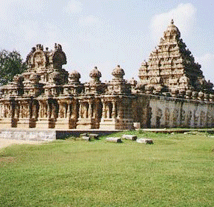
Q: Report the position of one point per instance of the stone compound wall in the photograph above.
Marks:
(28, 134)
(48, 134)
(166, 112)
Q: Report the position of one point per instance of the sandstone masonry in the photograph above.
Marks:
(172, 92)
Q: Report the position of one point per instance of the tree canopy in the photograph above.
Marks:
(11, 63)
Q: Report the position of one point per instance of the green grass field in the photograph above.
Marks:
(177, 170)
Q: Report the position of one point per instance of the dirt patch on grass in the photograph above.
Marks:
(8, 142)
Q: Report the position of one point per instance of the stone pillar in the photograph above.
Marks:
(16, 115)
(104, 110)
(86, 105)
(90, 111)
(120, 111)
(80, 110)
(113, 109)
(30, 107)
(74, 110)
(0, 110)
(3, 111)
(69, 109)
(96, 109)
(72, 115)
(54, 111)
(60, 108)
(40, 109)
(48, 110)
(108, 110)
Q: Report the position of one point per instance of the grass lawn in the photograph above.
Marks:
(177, 170)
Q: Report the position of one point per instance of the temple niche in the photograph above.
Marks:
(171, 92)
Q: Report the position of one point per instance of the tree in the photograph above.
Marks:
(11, 64)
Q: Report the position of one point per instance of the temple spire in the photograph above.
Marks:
(172, 65)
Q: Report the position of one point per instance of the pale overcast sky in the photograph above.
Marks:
(105, 33)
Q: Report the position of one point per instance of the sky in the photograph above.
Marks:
(107, 33)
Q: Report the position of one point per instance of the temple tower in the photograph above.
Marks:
(171, 66)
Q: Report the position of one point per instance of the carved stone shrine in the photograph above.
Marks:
(172, 92)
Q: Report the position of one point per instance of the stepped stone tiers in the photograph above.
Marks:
(172, 92)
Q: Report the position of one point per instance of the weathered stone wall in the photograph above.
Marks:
(48, 134)
(165, 112)
(28, 134)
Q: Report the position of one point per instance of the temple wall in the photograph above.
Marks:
(151, 111)
(167, 112)
(28, 134)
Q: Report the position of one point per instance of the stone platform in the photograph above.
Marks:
(47, 134)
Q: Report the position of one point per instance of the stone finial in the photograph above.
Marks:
(194, 95)
(174, 92)
(201, 95)
(55, 46)
(140, 86)
(149, 89)
(74, 76)
(95, 75)
(172, 31)
(159, 89)
(39, 47)
(144, 63)
(133, 81)
(206, 97)
(33, 49)
(118, 73)
(188, 94)
(182, 92)
(212, 97)
(58, 47)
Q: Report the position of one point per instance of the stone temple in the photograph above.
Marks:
(171, 92)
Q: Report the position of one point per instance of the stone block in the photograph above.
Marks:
(94, 136)
(136, 125)
(84, 135)
(114, 139)
(145, 141)
(86, 138)
(130, 137)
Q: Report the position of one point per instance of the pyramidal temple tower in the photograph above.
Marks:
(172, 68)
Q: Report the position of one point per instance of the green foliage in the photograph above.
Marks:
(10, 64)
(177, 170)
